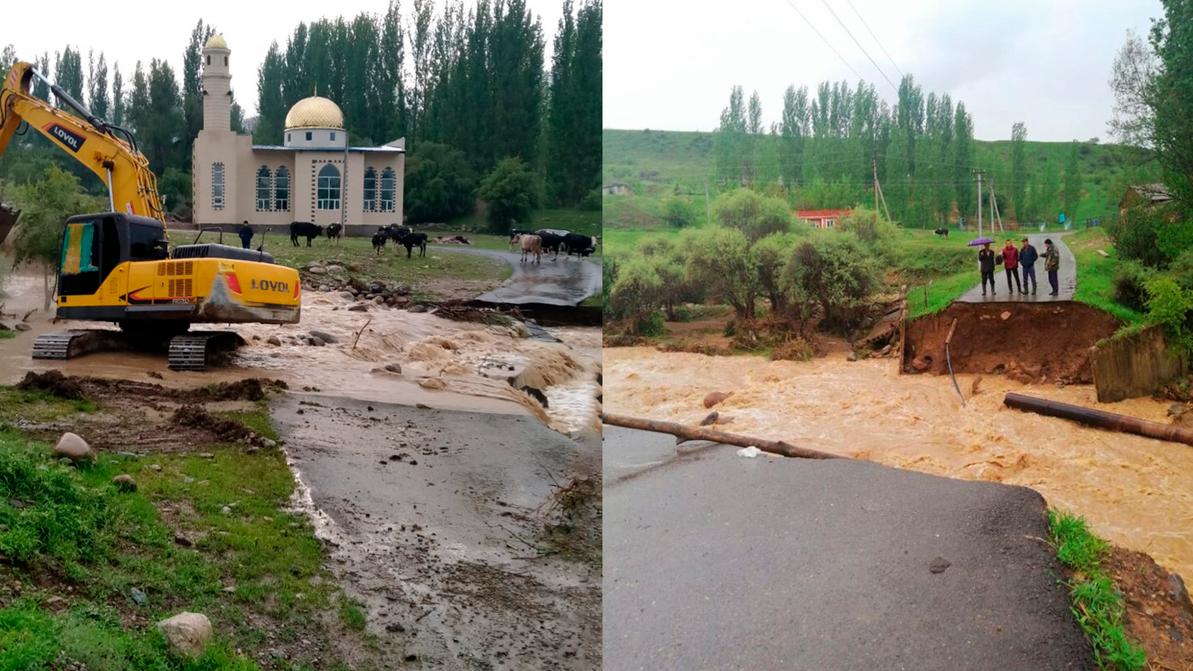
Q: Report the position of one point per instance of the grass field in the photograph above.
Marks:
(578, 221)
(1095, 273)
(88, 568)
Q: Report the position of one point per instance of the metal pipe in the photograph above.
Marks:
(693, 433)
(111, 196)
(948, 359)
(1099, 418)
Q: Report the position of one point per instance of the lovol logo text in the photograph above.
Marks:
(270, 285)
(73, 141)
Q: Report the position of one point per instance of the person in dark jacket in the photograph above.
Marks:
(1052, 265)
(986, 266)
(1027, 261)
(246, 234)
(1010, 261)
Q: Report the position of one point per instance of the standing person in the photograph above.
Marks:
(246, 234)
(1052, 265)
(1010, 261)
(1027, 261)
(986, 267)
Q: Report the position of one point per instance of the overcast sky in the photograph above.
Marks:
(670, 65)
(142, 30)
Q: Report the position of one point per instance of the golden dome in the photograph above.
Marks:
(315, 112)
(216, 42)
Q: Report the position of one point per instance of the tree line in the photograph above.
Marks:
(828, 147)
(471, 85)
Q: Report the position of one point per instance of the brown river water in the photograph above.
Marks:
(1134, 491)
(444, 364)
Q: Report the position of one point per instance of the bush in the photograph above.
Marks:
(635, 292)
(1172, 307)
(652, 325)
(870, 227)
(591, 202)
(678, 213)
(720, 260)
(1130, 286)
(1154, 236)
(440, 184)
(754, 215)
(836, 272)
(512, 193)
(796, 349)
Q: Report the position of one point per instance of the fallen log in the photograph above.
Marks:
(1099, 418)
(694, 433)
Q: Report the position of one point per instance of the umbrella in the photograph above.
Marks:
(978, 242)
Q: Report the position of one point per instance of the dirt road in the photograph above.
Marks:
(553, 281)
(440, 523)
(714, 561)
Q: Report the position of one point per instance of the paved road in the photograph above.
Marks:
(563, 281)
(431, 516)
(714, 561)
(1068, 276)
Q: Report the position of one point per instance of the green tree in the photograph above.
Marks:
(678, 213)
(770, 255)
(720, 259)
(68, 73)
(97, 85)
(1171, 97)
(837, 273)
(1072, 183)
(793, 131)
(440, 184)
(573, 124)
(1019, 171)
(118, 106)
(963, 159)
(634, 293)
(192, 91)
(271, 105)
(754, 215)
(511, 192)
(731, 143)
(159, 130)
(420, 32)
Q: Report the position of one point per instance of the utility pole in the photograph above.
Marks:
(707, 207)
(979, 174)
(878, 189)
(995, 215)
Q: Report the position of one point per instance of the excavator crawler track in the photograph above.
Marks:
(70, 344)
(196, 351)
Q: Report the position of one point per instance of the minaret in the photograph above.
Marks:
(217, 86)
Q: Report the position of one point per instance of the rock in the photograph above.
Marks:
(710, 419)
(394, 368)
(921, 364)
(315, 342)
(71, 446)
(379, 300)
(939, 564)
(403, 290)
(22, 326)
(182, 541)
(4, 327)
(335, 269)
(394, 628)
(226, 510)
(56, 603)
(418, 307)
(155, 467)
(269, 443)
(432, 383)
(206, 455)
(975, 386)
(186, 633)
(886, 350)
(724, 419)
(139, 596)
(1006, 314)
(347, 295)
(155, 375)
(125, 482)
(852, 356)
(359, 307)
(536, 394)
(317, 270)
(274, 340)
(324, 336)
(716, 397)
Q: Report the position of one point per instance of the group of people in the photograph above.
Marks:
(1015, 258)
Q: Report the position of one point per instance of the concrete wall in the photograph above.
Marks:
(1135, 366)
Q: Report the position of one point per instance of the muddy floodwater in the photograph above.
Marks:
(1136, 492)
(443, 363)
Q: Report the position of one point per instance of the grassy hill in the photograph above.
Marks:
(658, 164)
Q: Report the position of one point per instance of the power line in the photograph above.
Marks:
(859, 46)
(876, 40)
(826, 42)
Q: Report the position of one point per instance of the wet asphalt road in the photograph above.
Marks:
(553, 281)
(433, 516)
(714, 561)
(1066, 276)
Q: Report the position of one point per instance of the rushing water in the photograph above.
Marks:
(1134, 491)
(444, 363)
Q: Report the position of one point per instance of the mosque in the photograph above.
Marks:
(314, 176)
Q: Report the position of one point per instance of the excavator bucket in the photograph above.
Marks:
(8, 219)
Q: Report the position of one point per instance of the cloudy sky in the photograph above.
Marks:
(670, 65)
(143, 29)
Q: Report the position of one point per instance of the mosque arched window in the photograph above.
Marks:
(388, 186)
(327, 193)
(217, 186)
(263, 188)
(370, 195)
(281, 189)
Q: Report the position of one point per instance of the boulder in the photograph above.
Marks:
(359, 307)
(710, 419)
(335, 269)
(125, 482)
(432, 383)
(186, 633)
(394, 368)
(22, 326)
(274, 340)
(317, 270)
(716, 397)
(71, 446)
(347, 295)
(324, 336)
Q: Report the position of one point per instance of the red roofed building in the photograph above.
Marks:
(822, 218)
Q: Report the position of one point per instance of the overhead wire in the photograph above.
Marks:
(876, 40)
(859, 46)
(791, 4)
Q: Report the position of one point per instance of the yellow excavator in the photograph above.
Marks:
(118, 266)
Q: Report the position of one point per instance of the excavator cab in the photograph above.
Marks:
(94, 245)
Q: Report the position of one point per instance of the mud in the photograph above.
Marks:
(443, 363)
(1159, 614)
(1029, 342)
(1134, 491)
(472, 539)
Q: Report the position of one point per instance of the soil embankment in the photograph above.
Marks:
(1027, 342)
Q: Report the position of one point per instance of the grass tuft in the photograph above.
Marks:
(1097, 605)
(352, 615)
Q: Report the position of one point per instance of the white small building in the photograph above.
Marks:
(313, 176)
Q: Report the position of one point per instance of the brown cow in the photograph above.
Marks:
(531, 244)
